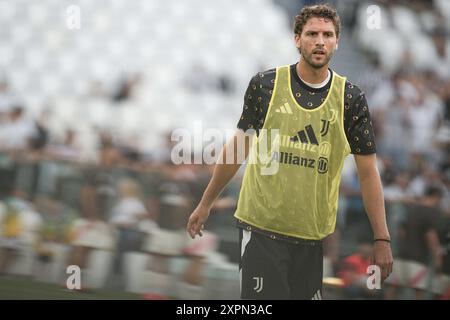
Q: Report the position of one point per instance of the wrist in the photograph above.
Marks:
(383, 235)
(205, 205)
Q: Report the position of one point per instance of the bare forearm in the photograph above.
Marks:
(225, 169)
(222, 174)
(372, 193)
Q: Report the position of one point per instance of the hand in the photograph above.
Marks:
(382, 257)
(197, 221)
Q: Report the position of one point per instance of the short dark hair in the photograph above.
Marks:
(319, 11)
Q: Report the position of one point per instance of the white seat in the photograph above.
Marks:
(422, 50)
(405, 20)
(165, 242)
(20, 33)
(156, 282)
(7, 54)
(382, 39)
(99, 266)
(101, 22)
(23, 263)
(18, 78)
(443, 6)
(7, 11)
(55, 270)
(51, 84)
(35, 59)
(100, 112)
(135, 264)
(428, 21)
(37, 14)
(222, 281)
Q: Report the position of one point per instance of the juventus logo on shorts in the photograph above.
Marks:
(259, 284)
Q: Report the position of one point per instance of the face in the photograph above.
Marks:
(317, 42)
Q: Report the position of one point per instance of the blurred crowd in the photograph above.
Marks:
(108, 219)
(409, 99)
(120, 215)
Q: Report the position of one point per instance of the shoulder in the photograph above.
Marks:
(267, 73)
(355, 99)
(353, 91)
(264, 79)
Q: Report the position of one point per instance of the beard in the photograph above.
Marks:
(309, 59)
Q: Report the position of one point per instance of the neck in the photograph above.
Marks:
(310, 74)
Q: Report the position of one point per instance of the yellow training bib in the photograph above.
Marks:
(291, 182)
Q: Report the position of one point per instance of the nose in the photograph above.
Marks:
(320, 41)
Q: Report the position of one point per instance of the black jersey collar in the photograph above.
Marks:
(304, 85)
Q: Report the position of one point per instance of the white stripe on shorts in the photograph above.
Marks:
(246, 236)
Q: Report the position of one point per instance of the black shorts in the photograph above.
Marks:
(276, 269)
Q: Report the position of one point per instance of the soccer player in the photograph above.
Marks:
(319, 118)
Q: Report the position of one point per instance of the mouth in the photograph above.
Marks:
(319, 52)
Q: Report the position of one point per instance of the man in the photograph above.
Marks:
(284, 216)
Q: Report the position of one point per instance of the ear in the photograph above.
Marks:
(337, 44)
(297, 40)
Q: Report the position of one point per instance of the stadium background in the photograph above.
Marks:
(87, 113)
